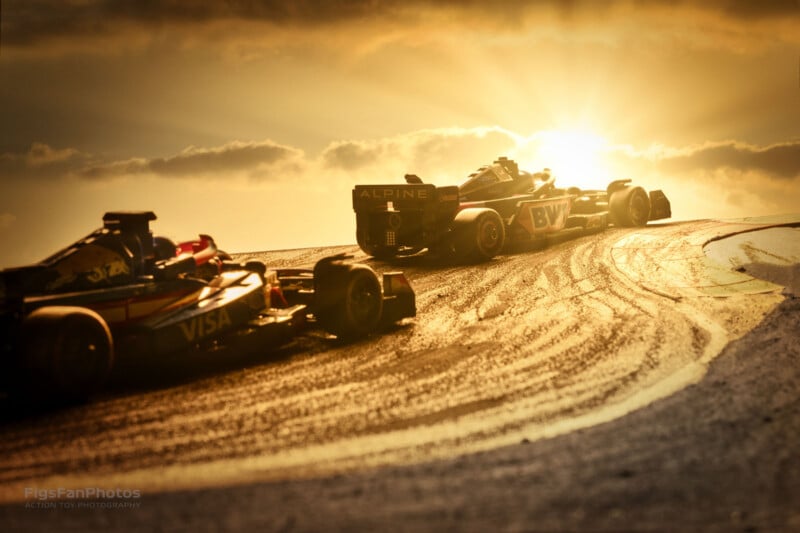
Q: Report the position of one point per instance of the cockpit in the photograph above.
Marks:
(501, 179)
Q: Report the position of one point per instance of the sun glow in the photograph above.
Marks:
(576, 158)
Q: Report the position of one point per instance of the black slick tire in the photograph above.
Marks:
(478, 235)
(629, 207)
(68, 352)
(354, 302)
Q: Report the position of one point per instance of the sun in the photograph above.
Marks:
(576, 158)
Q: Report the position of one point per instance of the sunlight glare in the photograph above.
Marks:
(576, 158)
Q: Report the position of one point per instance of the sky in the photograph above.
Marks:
(252, 120)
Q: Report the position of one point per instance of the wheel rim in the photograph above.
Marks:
(489, 235)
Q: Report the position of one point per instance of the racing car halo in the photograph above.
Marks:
(495, 206)
(121, 292)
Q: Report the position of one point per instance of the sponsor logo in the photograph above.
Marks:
(92, 263)
(551, 216)
(204, 325)
(548, 215)
(108, 271)
(391, 194)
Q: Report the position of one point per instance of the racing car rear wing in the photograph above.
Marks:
(404, 196)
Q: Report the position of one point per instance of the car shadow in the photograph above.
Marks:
(136, 377)
(429, 260)
(192, 365)
(131, 377)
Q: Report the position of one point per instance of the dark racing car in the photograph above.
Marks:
(496, 206)
(121, 293)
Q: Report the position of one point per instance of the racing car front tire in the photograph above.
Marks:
(68, 351)
(629, 207)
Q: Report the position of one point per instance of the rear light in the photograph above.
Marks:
(276, 298)
(391, 238)
(395, 283)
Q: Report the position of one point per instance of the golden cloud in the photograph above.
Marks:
(254, 27)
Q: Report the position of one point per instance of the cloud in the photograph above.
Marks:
(727, 179)
(439, 155)
(352, 155)
(232, 157)
(59, 26)
(780, 160)
(41, 154)
(40, 162)
(235, 158)
(436, 154)
(253, 160)
(114, 169)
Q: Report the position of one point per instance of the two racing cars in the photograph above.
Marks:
(495, 207)
(121, 292)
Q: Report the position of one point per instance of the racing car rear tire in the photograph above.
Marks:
(356, 308)
(479, 234)
(68, 351)
(629, 207)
